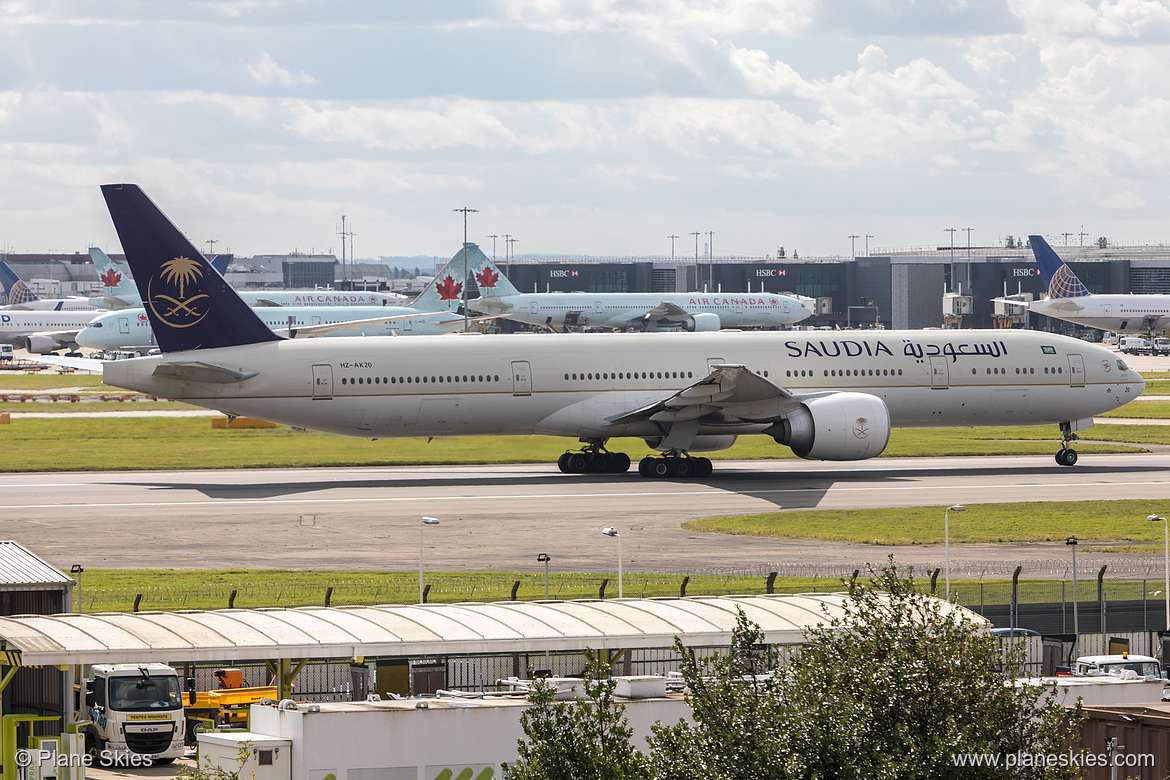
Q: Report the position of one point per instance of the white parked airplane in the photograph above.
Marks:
(41, 332)
(1069, 299)
(21, 298)
(429, 313)
(120, 292)
(623, 311)
(827, 396)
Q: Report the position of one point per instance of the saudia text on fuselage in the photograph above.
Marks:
(916, 350)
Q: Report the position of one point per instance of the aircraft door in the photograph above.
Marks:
(316, 319)
(521, 378)
(322, 382)
(124, 325)
(1108, 309)
(940, 374)
(1076, 371)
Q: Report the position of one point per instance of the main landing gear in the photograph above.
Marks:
(676, 465)
(1066, 455)
(594, 459)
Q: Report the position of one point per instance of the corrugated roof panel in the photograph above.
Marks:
(346, 632)
(21, 568)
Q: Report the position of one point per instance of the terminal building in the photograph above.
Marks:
(911, 288)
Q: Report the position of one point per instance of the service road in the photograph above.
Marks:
(500, 517)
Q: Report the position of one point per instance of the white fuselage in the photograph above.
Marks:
(571, 385)
(17, 325)
(1120, 313)
(625, 310)
(52, 304)
(130, 328)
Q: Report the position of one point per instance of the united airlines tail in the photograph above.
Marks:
(17, 291)
(189, 304)
(1058, 277)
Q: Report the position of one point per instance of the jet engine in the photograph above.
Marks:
(40, 345)
(700, 444)
(697, 322)
(841, 426)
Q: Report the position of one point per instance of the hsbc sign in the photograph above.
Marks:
(1024, 272)
(563, 273)
(771, 272)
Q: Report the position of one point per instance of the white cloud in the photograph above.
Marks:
(1123, 200)
(267, 71)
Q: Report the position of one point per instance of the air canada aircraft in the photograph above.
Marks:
(429, 313)
(627, 311)
(120, 293)
(826, 395)
(1068, 299)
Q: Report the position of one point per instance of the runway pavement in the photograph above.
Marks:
(500, 517)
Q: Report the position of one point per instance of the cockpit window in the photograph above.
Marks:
(1121, 366)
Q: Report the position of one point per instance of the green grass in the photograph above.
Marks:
(83, 444)
(1139, 408)
(1101, 522)
(114, 590)
(34, 382)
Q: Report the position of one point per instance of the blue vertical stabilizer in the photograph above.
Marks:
(1058, 278)
(189, 304)
(17, 291)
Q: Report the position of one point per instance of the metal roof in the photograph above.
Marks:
(392, 630)
(22, 570)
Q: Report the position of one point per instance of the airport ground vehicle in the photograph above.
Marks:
(142, 709)
(136, 709)
(1134, 345)
(5, 352)
(1118, 665)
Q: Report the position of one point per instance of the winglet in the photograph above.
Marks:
(190, 306)
(1058, 277)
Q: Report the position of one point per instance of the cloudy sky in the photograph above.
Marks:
(586, 126)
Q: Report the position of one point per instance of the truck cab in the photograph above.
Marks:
(1124, 665)
(137, 714)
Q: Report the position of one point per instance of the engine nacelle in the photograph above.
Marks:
(700, 444)
(701, 322)
(842, 426)
(40, 345)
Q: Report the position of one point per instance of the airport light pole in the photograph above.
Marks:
(493, 237)
(853, 244)
(466, 315)
(947, 540)
(672, 238)
(1166, 564)
(422, 524)
(867, 238)
(711, 256)
(952, 232)
(77, 569)
(544, 558)
(1072, 542)
(698, 273)
(611, 531)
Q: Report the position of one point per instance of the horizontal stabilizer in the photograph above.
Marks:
(199, 371)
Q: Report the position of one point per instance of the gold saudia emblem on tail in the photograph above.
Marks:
(170, 303)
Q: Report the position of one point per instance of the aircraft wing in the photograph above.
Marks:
(1065, 305)
(665, 312)
(311, 331)
(728, 391)
(79, 364)
(489, 304)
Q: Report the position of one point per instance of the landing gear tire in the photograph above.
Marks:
(563, 462)
(601, 463)
(620, 463)
(1066, 456)
(682, 468)
(660, 468)
(703, 468)
(644, 466)
(578, 463)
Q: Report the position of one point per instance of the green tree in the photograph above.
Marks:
(582, 739)
(899, 685)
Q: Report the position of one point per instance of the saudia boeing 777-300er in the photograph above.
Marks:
(826, 395)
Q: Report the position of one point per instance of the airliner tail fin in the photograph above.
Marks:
(1058, 277)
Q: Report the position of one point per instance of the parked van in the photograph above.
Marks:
(1162, 345)
(1134, 345)
(5, 352)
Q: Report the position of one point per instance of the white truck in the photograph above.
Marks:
(137, 714)
(1124, 665)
